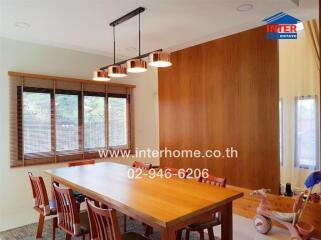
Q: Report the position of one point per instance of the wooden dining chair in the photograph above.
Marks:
(144, 166)
(81, 163)
(44, 206)
(104, 225)
(70, 219)
(216, 216)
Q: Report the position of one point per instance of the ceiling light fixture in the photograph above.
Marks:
(101, 75)
(244, 7)
(116, 70)
(157, 58)
(137, 65)
(160, 59)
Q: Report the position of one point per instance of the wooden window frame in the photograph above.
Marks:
(48, 157)
(93, 151)
(64, 156)
(61, 154)
(129, 128)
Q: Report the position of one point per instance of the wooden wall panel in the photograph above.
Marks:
(220, 94)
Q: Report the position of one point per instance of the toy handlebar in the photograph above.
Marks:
(260, 192)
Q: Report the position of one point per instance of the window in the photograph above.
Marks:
(117, 121)
(306, 132)
(94, 116)
(281, 131)
(60, 125)
(36, 123)
(67, 121)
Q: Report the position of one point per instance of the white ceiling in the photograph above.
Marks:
(169, 24)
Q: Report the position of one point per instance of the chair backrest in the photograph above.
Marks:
(212, 180)
(145, 166)
(39, 192)
(181, 173)
(80, 163)
(67, 210)
(103, 223)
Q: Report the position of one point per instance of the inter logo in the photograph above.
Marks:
(282, 26)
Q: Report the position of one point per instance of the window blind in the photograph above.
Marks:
(54, 120)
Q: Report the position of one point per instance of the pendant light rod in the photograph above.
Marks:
(127, 16)
(114, 45)
(138, 57)
(139, 34)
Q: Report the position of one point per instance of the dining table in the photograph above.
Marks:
(166, 204)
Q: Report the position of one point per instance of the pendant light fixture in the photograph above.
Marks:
(116, 71)
(137, 65)
(101, 75)
(157, 58)
(160, 59)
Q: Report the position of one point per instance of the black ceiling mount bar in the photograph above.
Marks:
(120, 20)
(127, 16)
(124, 61)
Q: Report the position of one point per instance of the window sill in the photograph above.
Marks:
(60, 159)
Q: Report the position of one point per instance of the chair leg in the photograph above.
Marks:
(187, 234)
(201, 232)
(125, 223)
(54, 226)
(68, 236)
(40, 225)
(210, 233)
(148, 230)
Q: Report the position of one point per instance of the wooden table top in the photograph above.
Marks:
(166, 201)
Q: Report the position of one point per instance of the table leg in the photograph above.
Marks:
(227, 222)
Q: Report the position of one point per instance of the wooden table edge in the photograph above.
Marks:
(205, 210)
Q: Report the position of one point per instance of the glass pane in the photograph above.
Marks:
(36, 122)
(306, 132)
(117, 122)
(67, 125)
(94, 120)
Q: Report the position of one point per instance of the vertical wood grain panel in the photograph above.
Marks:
(224, 93)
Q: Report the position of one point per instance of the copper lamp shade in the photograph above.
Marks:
(101, 75)
(117, 71)
(136, 66)
(160, 59)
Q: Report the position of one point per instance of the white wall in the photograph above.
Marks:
(15, 192)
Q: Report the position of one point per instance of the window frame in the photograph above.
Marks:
(46, 156)
(80, 120)
(129, 129)
(297, 163)
(63, 156)
(94, 94)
